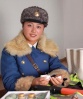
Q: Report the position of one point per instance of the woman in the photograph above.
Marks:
(18, 73)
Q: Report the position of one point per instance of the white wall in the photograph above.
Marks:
(73, 23)
(10, 11)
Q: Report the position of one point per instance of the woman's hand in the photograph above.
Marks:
(57, 81)
(40, 81)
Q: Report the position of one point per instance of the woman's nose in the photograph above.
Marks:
(33, 30)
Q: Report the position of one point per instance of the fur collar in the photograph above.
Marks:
(18, 46)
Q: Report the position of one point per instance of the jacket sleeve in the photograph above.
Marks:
(12, 78)
(57, 68)
(24, 83)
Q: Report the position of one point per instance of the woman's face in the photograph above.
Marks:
(32, 31)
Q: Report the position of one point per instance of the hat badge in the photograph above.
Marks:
(36, 14)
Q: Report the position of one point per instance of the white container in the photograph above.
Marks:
(75, 61)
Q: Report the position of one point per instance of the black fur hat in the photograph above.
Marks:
(34, 14)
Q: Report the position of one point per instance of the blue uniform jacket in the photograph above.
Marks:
(18, 72)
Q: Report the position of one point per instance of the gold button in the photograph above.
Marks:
(23, 74)
(45, 61)
(23, 62)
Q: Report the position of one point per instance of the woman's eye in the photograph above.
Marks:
(29, 25)
(38, 26)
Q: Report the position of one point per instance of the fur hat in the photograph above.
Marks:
(34, 14)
